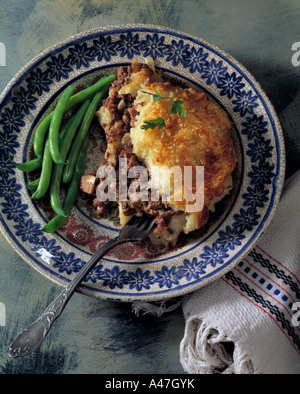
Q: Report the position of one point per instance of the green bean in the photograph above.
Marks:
(68, 134)
(40, 135)
(45, 173)
(33, 185)
(78, 141)
(31, 165)
(43, 127)
(55, 124)
(89, 92)
(34, 165)
(55, 223)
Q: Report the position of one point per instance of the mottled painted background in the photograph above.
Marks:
(104, 337)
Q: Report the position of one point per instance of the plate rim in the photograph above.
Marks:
(281, 155)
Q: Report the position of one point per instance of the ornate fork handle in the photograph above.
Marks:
(33, 336)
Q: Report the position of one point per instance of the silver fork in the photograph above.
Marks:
(32, 337)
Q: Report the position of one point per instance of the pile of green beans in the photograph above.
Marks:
(61, 151)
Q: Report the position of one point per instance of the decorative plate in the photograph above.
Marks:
(139, 271)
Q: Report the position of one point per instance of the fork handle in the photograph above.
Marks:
(33, 336)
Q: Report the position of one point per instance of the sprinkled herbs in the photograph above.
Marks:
(176, 108)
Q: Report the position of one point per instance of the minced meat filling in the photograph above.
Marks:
(122, 110)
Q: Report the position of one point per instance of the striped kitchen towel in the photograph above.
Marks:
(248, 320)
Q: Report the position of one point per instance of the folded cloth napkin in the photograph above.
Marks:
(247, 322)
(252, 310)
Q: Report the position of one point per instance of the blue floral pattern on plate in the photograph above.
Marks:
(258, 140)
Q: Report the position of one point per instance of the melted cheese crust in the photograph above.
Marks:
(202, 138)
